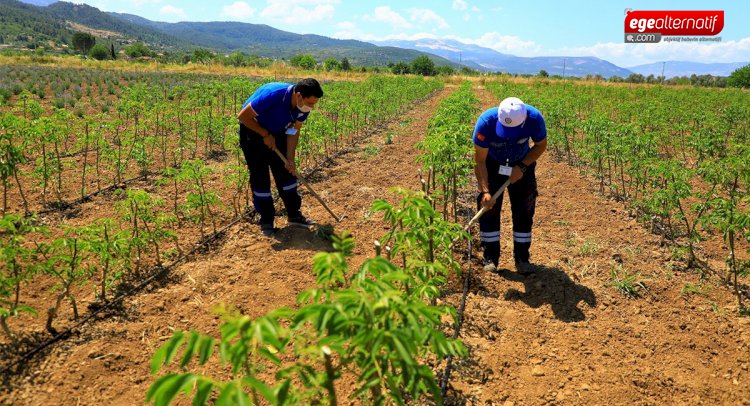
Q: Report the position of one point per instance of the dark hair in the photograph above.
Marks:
(309, 87)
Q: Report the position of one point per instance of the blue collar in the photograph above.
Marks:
(288, 95)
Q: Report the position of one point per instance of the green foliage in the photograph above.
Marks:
(237, 59)
(149, 226)
(679, 170)
(83, 42)
(160, 123)
(400, 68)
(373, 322)
(65, 258)
(445, 70)
(18, 265)
(110, 249)
(304, 61)
(422, 238)
(138, 50)
(331, 64)
(13, 141)
(23, 24)
(199, 201)
(629, 284)
(423, 65)
(99, 52)
(447, 149)
(740, 77)
(345, 65)
(202, 55)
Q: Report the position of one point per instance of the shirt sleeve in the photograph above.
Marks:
(540, 133)
(262, 101)
(481, 134)
(303, 117)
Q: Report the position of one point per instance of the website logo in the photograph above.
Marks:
(649, 26)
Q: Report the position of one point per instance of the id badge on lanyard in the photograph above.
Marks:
(505, 170)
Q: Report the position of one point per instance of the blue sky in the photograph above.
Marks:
(523, 28)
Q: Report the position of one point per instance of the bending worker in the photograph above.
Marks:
(502, 149)
(271, 118)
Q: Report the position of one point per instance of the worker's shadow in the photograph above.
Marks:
(553, 286)
(295, 238)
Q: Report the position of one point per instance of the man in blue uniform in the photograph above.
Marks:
(271, 118)
(502, 149)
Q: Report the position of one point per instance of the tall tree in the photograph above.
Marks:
(740, 77)
(304, 61)
(83, 42)
(345, 65)
(423, 65)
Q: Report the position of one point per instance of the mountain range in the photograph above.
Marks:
(487, 59)
(684, 68)
(45, 20)
(263, 40)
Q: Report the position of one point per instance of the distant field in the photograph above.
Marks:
(113, 173)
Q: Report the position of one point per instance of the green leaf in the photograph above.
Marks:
(282, 391)
(166, 352)
(261, 387)
(205, 349)
(233, 395)
(165, 389)
(189, 349)
(26, 309)
(203, 391)
(402, 351)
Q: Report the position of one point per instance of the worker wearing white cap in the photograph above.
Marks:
(502, 142)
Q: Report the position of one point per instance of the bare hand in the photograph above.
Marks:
(270, 141)
(515, 174)
(291, 167)
(487, 201)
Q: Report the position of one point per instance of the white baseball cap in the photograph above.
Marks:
(511, 112)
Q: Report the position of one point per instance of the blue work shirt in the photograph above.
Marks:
(509, 144)
(273, 104)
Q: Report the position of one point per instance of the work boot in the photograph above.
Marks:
(300, 221)
(489, 265)
(268, 229)
(524, 268)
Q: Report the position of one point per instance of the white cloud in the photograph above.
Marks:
(625, 55)
(427, 16)
(384, 14)
(621, 54)
(172, 10)
(139, 3)
(507, 44)
(238, 10)
(347, 30)
(299, 11)
(460, 5)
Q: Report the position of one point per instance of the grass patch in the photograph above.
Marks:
(589, 247)
(406, 122)
(694, 289)
(369, 152)
(629, 284)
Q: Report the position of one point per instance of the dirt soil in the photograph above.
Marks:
(562, 336)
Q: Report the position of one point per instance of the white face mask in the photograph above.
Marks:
(303, 107)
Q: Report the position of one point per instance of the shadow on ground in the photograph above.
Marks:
(551, 286)
(295, 238)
